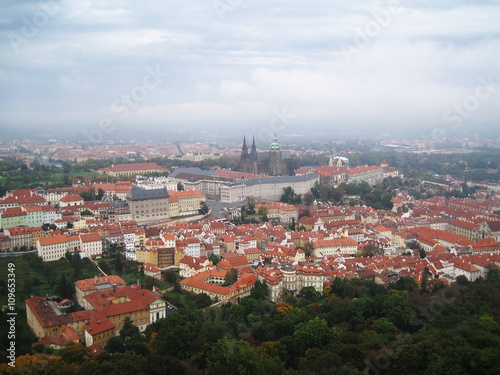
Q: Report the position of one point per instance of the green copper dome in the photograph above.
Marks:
(274, 144)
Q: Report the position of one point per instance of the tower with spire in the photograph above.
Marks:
(244, 151)
(253, 153)
(276, 166)
(273, 162)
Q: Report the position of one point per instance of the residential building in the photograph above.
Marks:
(55, 247)
(335, 246)
(5, 243)
(13, 217)
(71, 200)
(16, 198)
(19, 237)
(34, 215)
(188, 202)
(90, 245)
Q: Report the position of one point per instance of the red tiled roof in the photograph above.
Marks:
(13, 212)
(45, 314)
(91, 284)
(71, 198)
(24, 196)
(91, 237)
(98, 324)
(136, 167)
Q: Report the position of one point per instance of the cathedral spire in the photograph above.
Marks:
(244, 149)
(253, 152)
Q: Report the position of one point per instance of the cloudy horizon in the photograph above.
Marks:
(98, 69)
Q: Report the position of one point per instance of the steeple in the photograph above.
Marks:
(274, 144)
(253, 152)
(244, 150)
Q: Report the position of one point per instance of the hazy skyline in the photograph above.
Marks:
(94, 70)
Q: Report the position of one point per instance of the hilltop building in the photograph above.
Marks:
(274, 162)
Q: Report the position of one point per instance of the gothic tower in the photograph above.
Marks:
(244, 155)
(276, 166)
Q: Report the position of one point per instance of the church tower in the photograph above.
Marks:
(254, 159)
(253, 152)
(244, 155)
(276, 166)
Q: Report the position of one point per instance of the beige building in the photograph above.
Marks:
(90, 245)
(210, 282)
(268, 188)
(133, 169)
(56, 247)
(335, 246)
(147, 206)
(186, 202)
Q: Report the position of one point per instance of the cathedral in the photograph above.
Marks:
(274, 162)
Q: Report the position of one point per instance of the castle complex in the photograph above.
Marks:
(274, 162)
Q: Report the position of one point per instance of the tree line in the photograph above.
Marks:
(354, 326)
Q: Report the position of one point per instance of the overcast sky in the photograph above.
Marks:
(99, 69)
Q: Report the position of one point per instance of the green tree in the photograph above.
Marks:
(75, 354)
(309, 293)
(308, 249)
(214, 258)
(308, 198)
(382, 325)
(370, 250)
(86, 212)
(422, 253)
(62, 286)
(100, 194)
(87, 196)
(404, 283)
(260, 290)
(314, 333)
(263, 210)
(426, 274)
(462, 280)
(230, 356)
(128, 329)
(324, 192)
(289, 196)
(118, 264)
(202, 300)
(203, 208)
(231, 277)
(493, 275)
